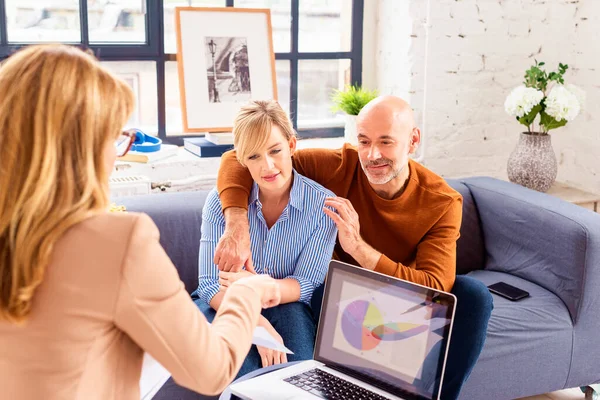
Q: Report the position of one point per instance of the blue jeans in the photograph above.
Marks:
(473, 310)
(294, 323)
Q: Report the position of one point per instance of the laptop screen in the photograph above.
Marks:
(386, 331)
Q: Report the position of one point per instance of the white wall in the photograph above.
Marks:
(456, 60)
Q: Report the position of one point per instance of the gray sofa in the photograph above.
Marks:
(539, 243)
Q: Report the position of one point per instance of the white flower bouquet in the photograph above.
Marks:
(555, 108)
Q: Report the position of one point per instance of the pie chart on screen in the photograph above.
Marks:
(359, 318)
(364, 327)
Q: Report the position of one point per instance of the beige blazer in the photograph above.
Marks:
(109, 294)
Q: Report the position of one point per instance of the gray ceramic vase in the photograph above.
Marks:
(533, 163)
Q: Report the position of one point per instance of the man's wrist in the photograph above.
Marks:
(235, 218)
(366, 256)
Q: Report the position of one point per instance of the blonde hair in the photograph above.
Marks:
(59, 109)
(253, 125)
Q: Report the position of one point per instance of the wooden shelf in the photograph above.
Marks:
(576, 196)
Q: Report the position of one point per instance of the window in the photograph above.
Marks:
(317, 43)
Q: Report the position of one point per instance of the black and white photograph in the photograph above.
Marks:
(225, 58)
(228, 69)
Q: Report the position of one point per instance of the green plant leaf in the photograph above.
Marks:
(549, 122)
(535, 77)
(352, 99)
(528, 119)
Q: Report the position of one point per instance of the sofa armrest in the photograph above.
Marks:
(543, 239)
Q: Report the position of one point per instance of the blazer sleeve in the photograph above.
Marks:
(154, 309)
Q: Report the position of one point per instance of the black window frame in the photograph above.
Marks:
(153, 50)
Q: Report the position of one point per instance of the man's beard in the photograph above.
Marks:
(380, 179)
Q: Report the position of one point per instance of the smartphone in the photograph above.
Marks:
(508, 291)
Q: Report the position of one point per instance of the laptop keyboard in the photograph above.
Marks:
(328, 386)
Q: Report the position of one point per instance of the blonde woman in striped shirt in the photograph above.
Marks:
(292, 239)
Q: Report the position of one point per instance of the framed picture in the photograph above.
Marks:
(225, 58)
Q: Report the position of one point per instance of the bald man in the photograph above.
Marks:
(394, 216)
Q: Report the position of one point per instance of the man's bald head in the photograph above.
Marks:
(387, 135)
(392, 109)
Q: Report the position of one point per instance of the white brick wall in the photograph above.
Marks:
(477, 50)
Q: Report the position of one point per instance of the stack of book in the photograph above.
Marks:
(211, 145)
(220, 137)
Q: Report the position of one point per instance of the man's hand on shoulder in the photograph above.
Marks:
(346, 220)
(233, 250)
(349, 237)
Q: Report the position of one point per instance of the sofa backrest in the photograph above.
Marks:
(470, 249)
(178, 217)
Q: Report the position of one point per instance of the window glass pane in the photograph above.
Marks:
(169, 5)
(282, 68)
(43, 21)
(316, 81)
(325, 25)
(173, 101)
(281, 20)
(116, 21)
(141, 77)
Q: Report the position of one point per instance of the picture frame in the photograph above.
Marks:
(225, 58)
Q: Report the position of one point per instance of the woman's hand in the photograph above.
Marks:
(269, 356)
(266, 286)
(227, 279)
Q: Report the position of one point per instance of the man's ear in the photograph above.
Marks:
(292, 144)
(414, 140)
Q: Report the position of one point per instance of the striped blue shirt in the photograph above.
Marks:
(299, 245)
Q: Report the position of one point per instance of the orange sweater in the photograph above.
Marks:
(416, 232)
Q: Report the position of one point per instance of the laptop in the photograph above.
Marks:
(379, 337)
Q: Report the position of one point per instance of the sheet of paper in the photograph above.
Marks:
(153, 377)
(263, 338)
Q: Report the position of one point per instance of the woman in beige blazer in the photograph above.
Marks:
(84, 292)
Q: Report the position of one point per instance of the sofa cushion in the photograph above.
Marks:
(178, 217)
(470, 251)
(534, 335)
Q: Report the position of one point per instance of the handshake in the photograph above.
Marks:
(264, 285)
(233, 253)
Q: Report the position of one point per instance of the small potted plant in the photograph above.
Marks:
(545, 98)
(351, 101)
